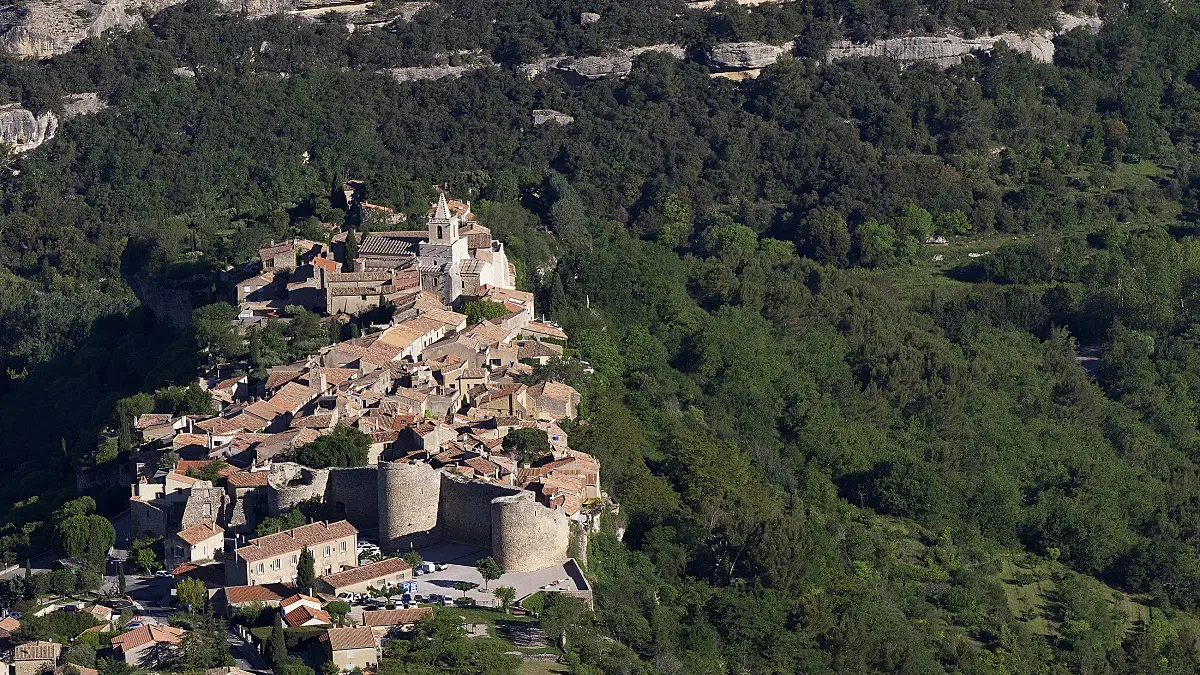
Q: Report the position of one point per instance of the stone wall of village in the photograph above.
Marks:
(464, 512)
(526, 535)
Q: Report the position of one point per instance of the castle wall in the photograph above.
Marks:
(204, 502)
(526, 535)
(354, 494)
(408, 500)
(465, 510)
(291, 484)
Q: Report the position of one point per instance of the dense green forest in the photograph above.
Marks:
(836, 448)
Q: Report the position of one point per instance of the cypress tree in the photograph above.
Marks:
(278, 645)
(121, 578)
(305, 572)
(28, 580)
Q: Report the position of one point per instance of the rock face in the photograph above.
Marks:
(585, 68)
(542, 116)
(434, 72)
(588, 18)
(42, 28)
(1067, 22)
(82, 104)
(944, 50)
(24, 130)
(744, 55)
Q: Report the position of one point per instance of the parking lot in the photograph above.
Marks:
(460, 562)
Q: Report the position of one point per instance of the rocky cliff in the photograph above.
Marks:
(24, 130)
(42, 28)
(745, 55)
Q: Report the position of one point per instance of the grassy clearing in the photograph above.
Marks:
(1029, 586)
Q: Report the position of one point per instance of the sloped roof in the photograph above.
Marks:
(295, 539)
(303, 614)
(263, 593)
(37, 651)
(147, 634)
(349, 638)
(201, 531)
(364, 573)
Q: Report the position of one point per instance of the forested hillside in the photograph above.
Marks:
(837, 448)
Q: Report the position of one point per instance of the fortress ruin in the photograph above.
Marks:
(414, 504)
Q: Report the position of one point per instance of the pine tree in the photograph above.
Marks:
(278, 645)
(305, 572)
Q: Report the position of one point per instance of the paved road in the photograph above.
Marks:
(245, 654)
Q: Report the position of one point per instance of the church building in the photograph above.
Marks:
(455, 255)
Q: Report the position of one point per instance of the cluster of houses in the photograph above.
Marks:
(454, 256)
(427, 387)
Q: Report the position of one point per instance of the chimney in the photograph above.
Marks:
(317, 382)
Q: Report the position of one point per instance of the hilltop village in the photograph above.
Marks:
(464, 457)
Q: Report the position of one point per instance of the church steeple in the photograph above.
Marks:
(443, 225)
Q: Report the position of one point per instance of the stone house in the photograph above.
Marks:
(351, 648)
(391, 571)
(278, 257)
(554, 400)
(147, 646)
(275, 557)
(508, 400)
(33, 657)
(229, 599)
(202, 541)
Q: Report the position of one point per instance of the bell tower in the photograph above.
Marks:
(443, 225)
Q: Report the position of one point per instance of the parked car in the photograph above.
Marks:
(446, 601)
(440, 566)
(406, 598)
(69, 608)
(15, 615)
(418, 572)
(133, 624)
(162, 574)
(417, 598)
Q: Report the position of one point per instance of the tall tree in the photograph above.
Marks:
(305, 571)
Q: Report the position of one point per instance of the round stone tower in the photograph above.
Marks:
(527, 536)
(408, 501)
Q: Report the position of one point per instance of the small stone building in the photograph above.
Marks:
(32, 657)
(202, 541)
(274, 558)
(351, 648)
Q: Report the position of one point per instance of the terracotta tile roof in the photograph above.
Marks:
(444, 316)
(395, 617)
(502, 392)
(293, 540)
(554, 390)
(364, 573)
(263, 593)
(532, 349)
(248, 479)
(482, 466)
(298, 597)
(230, 383)
(475, 373)
(180, 478)
(147, 634)
(322, 421)
(272, 251)
(303, 614)
(349, 638)
(9, 624)
(386, 436)
(37, 651)
(292, 396)
(546, 329)
(330, 266)
(181, 440)
(278, 378)
(200, 531)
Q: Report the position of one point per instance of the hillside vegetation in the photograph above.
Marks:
(834, 450)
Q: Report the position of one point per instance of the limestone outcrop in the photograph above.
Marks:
(944, 50)
(42, 28)
(744, 55)
(88, 103)
(434, 72)
(23, 130)
(544, 115)
(585, 68)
